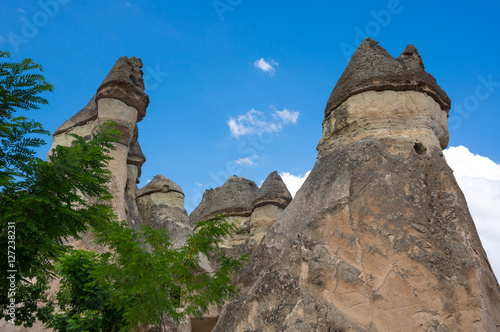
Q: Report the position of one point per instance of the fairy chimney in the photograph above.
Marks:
(272, 199)
(161, 206)
(120, 98)
(379, 237)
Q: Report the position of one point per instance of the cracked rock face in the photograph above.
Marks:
(379, 238)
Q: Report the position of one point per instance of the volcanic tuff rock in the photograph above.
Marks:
(251, 209)
(125, 82)
(379, 237)
(234, 198)
(272, 199)
(120, 98)
(372, 68)
(161, 205)
(273, 191)
(85, 115)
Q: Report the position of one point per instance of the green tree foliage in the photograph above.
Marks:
(48, 202)
(164, 284)
(85, 304)
(19, 90)
(142, 280)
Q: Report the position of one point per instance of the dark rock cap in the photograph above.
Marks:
(135, 155)
(86, 114)
(373, 68)
(125, 82)
(273, 191)
(159, 184)
(234, 198)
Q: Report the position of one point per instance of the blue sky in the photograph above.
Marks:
(204, 63)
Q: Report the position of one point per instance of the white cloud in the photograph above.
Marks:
(287, 117)
(294, 182)
(1, 38)
(467, 164)
(479, 179)
(254, 122)
(266, 66)
(21, 10)
(248, 161)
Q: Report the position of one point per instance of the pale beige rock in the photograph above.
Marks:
(160, 184)
(204, 324)
(173, 199)
(243, 233)
(132, 175)
(262, 219)
(136, 157)
(161, 205)
(118, 168)
(64, 139)
(115, 109)
(408, 115)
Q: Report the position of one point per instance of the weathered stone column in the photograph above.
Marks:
(121, 99)
(379, 237)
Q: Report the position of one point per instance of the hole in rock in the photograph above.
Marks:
(420, 148)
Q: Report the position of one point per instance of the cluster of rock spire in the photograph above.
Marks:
(379, 237)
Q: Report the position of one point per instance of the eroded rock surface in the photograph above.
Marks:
(120, 98)
(273, 191)
(372, 68)
(234, 198)
(161, 206)
(272, 199)
(379, 237)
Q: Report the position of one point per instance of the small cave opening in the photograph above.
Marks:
(420, 148)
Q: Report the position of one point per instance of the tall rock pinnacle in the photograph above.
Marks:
(120, 98)
(379, 238)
